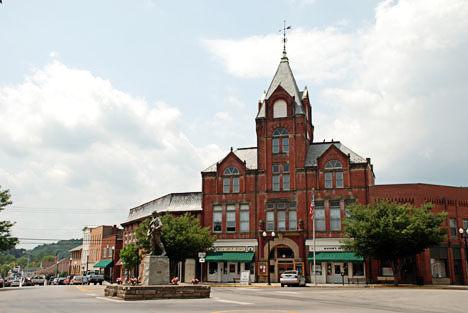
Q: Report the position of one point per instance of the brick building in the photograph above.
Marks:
(256, 201)
(75, 268)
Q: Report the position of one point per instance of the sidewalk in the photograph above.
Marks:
(309, 285)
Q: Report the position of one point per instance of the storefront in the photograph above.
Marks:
(333, 264)
(230, 259)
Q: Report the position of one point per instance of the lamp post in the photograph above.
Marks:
(268, 239)
(464, 235)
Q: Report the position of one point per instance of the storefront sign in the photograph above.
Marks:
(245, 278)
(325, 248)
(230, 249)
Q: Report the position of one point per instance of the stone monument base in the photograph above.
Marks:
(156, 270)
(157, 292)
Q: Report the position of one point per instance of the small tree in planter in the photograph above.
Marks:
(130, 256)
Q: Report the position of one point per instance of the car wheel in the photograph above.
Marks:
(100, 283)
(282, 285)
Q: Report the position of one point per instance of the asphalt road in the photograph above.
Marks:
(238, 299)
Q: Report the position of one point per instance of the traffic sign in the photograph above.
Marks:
(201, 254)
(201, 260)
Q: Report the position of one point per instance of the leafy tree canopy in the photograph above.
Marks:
(130, 256)
(183, 237)
(6, 241)
(392, 231)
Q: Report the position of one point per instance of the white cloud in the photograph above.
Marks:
(71, 140)
(394, 90)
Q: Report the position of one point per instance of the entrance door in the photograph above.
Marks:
(337, 270)
(284, 265)
(458, 272)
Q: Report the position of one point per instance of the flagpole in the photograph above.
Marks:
(313, 238)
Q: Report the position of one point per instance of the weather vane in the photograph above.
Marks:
(284, 36)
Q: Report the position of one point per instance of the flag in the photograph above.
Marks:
(312, 206)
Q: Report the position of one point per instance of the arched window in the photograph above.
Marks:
(230, 181)
(333, 164)
(333, 169)
(280, 109)
(277, 134)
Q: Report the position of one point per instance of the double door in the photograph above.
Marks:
(336, 272)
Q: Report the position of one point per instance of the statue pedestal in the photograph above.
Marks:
(156, 270)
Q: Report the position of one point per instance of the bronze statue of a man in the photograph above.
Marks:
(154, 235)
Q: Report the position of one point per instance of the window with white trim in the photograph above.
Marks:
(217, 219)
(244, 218)
(231, 218)
(280, 135)
(335, 216)
(319, 216)
(280, 177)
(231, 180)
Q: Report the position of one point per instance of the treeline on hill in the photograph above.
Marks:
(44, 252)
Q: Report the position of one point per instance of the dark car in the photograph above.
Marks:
(2, 282)
(50, 280)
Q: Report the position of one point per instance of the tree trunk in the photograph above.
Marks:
(396, 271)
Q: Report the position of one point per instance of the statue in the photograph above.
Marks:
(154, 235)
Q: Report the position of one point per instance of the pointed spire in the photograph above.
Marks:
(285, 57)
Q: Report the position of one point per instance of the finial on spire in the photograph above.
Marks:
(285, 57)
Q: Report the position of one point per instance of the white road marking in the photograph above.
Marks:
(91, 294)
(235, 302)
(110, 299)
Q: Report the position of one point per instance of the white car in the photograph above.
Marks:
(15, 282)
(292, 278)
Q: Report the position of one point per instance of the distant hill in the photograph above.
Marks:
(61, 247)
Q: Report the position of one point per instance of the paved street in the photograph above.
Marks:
(240, 299)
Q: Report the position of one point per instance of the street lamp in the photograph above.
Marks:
(464, 235)
(268, 239)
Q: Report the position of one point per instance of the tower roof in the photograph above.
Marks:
(284, 78)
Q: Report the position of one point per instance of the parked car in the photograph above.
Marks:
(61, 280)
(27, 281)
(2, 282)
(67, 280)
(292, 278)
(50, 280)
(55, 281)
(15, 282)
(38, 280)
(79, 280)
(94, 277)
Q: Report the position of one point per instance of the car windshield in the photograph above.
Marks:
(290, 272)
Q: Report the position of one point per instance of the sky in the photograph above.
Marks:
(106, 105)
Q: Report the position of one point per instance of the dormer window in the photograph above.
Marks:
(334, 169)
(280, 142)
(231, 180)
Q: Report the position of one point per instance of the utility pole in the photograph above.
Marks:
(56, 264)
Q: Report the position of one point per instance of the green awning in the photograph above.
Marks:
(103, 263)
(242, 257)
(342, 256)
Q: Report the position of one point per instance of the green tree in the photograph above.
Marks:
(183, 237)
(130, 256)
(48, 258)
(392, 231)
(6, 241)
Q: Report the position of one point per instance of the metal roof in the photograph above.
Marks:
(248, 155)
(173, 202)
(285, 78)
(317, 149)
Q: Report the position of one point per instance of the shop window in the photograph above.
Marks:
(244, 218)
(213, 268)
(453, 227)
(335, 216)
(439, 268)
(217, 219)
(319, 214)
(318, 269)
(292, 220)
(386, 267)
(358, 269)
(232, 268)
(281, 220)
(231, 218)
